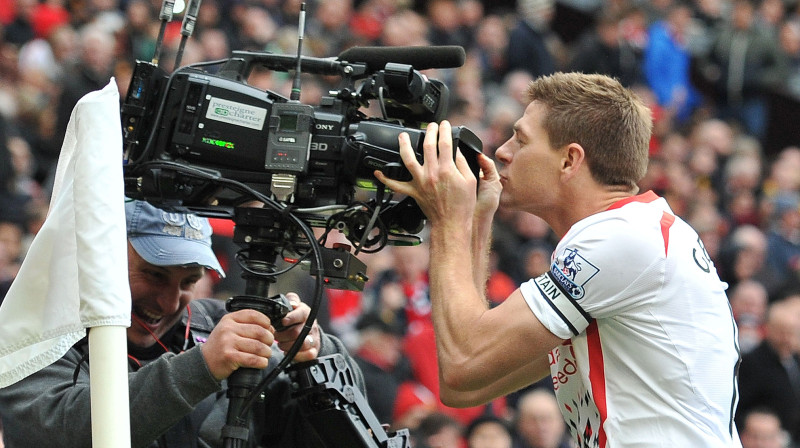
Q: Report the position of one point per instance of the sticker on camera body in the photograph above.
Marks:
(238, 114)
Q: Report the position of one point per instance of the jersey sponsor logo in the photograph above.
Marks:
(562, 364)
(576, 402)
(572, 272)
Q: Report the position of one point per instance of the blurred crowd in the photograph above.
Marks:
(721, 76)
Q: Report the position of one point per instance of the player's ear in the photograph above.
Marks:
(573, 158)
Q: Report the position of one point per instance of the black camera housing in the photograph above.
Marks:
(186, 131)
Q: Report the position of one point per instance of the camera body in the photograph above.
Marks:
(185, 131)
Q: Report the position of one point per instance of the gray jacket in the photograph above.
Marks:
(174, 400)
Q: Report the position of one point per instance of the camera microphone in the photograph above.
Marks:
(295, 95)
(167, 9)
(187, 28)
(421, 58)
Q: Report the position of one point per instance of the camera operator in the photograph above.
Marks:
(631, 320)
(181, 350)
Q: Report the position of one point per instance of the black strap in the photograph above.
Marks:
(79, 346)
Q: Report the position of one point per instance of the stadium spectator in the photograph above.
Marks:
(603, 51)
(783, 238)
(747, 66)
(538, 422)
(770, 15)
(400, 294)
(328, 28)
(413, 403)
(744, 257)
(11, 248)
(769, 375)
(405, 28)
(491, 41)
(667, 63)
(749, 306)
(762, 429)
(789, 41)
(439, 430)
(532, 45)
(20, 29)
(380, 356)
(499, 284)
(445, 23)
(89, 73)
(489, 431)
(741, 181)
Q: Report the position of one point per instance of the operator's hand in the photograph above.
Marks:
(293, 322)
(241, 339)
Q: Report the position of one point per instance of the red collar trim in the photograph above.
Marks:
(648, 196)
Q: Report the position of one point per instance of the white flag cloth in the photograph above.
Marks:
(75, 274)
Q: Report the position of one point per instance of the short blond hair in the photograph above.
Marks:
(609, 121)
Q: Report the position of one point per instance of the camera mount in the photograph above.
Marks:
(332, 403)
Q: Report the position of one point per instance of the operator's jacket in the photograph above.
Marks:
(174, 400)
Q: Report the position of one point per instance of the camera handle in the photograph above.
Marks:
(242, 63)
(261, 236)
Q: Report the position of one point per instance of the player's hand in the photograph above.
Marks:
(489, 188)
(293, 322)
(443, 187)
(241, 339)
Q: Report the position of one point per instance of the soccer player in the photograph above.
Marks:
(631, 321)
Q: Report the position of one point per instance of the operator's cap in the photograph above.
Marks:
(165, 238)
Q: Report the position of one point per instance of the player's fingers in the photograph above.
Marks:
(430, 148)
(488, 168)
(408, 156)
(409, 159)
(445, 144)
(392, 184)
(463, 166)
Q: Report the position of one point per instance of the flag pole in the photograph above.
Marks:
(108, 380)
(75, 276)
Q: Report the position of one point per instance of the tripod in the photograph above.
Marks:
(324, 388)
(262, 234)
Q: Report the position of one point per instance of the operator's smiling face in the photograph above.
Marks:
(158, 295)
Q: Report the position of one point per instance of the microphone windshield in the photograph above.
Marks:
(421, 58)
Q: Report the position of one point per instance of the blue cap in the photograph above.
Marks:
(164, 238)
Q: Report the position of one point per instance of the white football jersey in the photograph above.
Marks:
(652, 355)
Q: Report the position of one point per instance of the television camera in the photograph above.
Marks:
(186, 132)
(202, 140)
